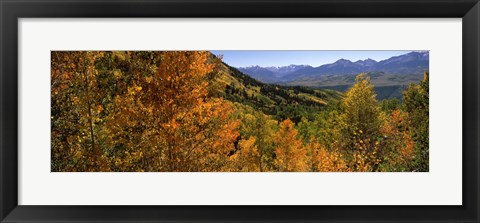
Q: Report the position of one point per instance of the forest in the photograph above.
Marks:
(188, 111)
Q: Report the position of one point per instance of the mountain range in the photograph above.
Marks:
(397, 70)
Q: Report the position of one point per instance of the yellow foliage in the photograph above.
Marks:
(290, 155)
(247, 157)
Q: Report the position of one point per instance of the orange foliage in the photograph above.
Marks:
(322, 160)
(75, 112)
(290, 155)
(176, 126)
(153, 114)
(398, 140)
(247, 157)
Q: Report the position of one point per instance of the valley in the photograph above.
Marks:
(390, 75)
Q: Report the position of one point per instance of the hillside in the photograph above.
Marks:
(387, 86)
(280, 101)
(382, 92)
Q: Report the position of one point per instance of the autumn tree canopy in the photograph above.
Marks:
(188, 111)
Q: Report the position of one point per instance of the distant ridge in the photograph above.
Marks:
(413, 64)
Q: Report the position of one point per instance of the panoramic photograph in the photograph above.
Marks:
(240, 111)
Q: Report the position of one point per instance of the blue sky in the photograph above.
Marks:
(264, 58)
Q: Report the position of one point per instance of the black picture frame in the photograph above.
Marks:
(11, 11)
